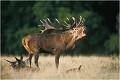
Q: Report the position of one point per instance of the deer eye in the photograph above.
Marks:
(74, 29)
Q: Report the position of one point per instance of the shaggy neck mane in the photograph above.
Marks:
(68, 39)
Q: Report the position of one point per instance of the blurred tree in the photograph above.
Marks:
(14, 17)
(19, 19)
(112, 44)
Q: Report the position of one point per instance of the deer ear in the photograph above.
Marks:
(21, 57)
(16, 59)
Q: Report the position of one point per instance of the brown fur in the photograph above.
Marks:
(52, 43)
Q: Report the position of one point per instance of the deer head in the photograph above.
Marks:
(78, 30)
(19, 63)
(12, 63)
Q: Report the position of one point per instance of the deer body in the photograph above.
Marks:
(47, 42)
(19, 64)
(52, 43)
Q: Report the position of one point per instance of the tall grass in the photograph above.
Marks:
(93, 67)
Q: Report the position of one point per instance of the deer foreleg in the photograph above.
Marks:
(36, 60)
(57, 56)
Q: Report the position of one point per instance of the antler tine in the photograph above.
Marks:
(7, 60)
(42, 23)
(16, 59)
(60, 24)
(49, 20)
(57, 20)
(73, 18)
(67, 18)
(80, 18)
(74, 23)
(21, 57)
(47, 25)
(42, 30)
(70, 25)
(81, 21)
(66, 23)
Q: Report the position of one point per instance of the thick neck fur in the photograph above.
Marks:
(69, 40)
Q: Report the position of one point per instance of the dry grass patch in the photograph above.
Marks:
(93, 67)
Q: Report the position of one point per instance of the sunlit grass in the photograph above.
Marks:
(93, 67)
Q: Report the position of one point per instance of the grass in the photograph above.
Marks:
(93, 67)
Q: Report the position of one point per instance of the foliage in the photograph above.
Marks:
(21, 18)
(112, 44)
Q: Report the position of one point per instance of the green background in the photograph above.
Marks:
(20, 18)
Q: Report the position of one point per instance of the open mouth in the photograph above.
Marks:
(83, 32)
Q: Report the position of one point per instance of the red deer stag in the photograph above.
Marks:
(53, 43)
(18, 64)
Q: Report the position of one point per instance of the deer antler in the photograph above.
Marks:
(66, 24)
(82, 20)
(57, 20)
(7, 60)
(49, 20)
(48, 24)
(74, 23)
(45, 23)
(70, 26)
(48, 27)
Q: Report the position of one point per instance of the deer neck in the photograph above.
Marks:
(69, 40)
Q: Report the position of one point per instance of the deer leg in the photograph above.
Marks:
(30, 58)
(57, 56)
(36, 60)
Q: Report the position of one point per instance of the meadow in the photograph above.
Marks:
(93, 67)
